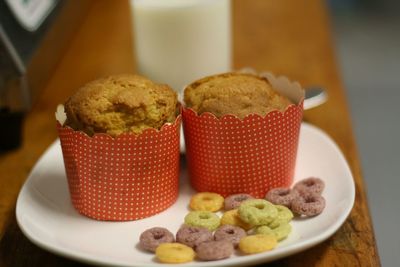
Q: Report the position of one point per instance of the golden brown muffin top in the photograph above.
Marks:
(119, 104)
(238, 94)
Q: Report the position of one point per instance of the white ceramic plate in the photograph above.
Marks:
(47, 218)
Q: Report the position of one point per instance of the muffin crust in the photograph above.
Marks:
(238, 94)
(119, 104)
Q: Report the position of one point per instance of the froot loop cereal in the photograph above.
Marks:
(206, 201)
(234, 201)
(231, 217)
(309, 205)
(205, 219)
(257, 211)
(284, 214)
(304, 199)
(153, 237)
(230, 233)
(311, 184)
(248, 224)
(281, 230)
(192, 236)
(281, 196)
(174, 253)
(214, 250)
(257, 243)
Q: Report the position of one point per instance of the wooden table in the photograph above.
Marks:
(286, 37)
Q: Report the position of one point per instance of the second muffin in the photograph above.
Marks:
(241, 134)
(238, 94)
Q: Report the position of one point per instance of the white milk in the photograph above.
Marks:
(179, 41)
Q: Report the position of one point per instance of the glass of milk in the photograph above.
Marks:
(179, 41)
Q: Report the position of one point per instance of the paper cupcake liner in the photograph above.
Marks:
(124, 178)
(229, 155)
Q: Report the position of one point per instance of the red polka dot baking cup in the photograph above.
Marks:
(228, 155)
(124, 178)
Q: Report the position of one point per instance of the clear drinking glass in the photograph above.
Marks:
(179, 41)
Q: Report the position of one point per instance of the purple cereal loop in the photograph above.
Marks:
(234, 201)
(311, 184)
(214, 250)
(308, 205)
(229, 233)
(151, 238)
(193, 236)
(281, 196)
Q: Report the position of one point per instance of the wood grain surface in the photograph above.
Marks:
(286, 37)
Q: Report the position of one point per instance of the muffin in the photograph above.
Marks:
(241, 132)
(120, 144)
(238, 94)
(120, 104)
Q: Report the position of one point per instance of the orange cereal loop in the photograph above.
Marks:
(253, 244)
(206, 201)
(232, 217)
(174, 253)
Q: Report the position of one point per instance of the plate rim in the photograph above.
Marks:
(249, 259)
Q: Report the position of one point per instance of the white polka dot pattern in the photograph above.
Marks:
(253, 155)
(125, 178)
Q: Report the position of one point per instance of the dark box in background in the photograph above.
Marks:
(33, 36)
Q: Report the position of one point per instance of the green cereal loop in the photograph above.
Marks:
(280, 232)
(284, 215)
(264, 230)
(275, 223)
(205, 219)
(257, 211)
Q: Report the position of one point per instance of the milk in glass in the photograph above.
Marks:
(179, 41)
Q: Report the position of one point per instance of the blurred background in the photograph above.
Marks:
(367, 36)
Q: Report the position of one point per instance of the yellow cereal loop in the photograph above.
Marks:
(232, 217)
(257, 243)
(174, 253)
(206, 201)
